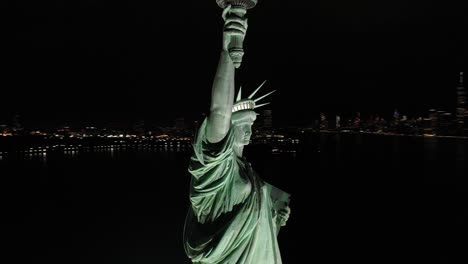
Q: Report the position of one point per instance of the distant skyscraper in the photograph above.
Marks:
(267, 119)
(357, 120)
(396, 116)
(431, 123)
(461, 106)
(338, 122)
(180, 123)
(445, 124)
(323, 121)
(16, 124)
(139, 127)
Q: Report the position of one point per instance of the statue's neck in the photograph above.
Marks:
(239, 149)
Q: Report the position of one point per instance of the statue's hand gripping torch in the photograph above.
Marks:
(239, 8)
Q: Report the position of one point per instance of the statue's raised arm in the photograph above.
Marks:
(222, 94)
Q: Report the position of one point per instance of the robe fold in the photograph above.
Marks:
(231, 219)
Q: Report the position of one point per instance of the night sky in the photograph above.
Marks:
(92, 61)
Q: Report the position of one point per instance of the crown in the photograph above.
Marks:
(249, 103)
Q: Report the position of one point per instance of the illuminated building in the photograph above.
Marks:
(267, 119)
(461, 107)
(323, 122)
(444, 126)
(180, 123)
(396, 116)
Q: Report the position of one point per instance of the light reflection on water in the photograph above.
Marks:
(112, 151)
(339, 149)
(462, 151)
(69, 196)
(430, 148)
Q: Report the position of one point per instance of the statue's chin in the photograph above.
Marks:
(237, 64)
(242, 143)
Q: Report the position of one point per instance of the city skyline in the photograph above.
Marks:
(460, 113)
(93, 62)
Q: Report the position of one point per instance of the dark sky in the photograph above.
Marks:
(88, 61)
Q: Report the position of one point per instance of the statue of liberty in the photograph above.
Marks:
(235, 216)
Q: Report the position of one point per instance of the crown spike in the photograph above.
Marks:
(261, 97)
(250, 96)
(239, 94)
(260, 105)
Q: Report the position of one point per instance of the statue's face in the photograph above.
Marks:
(243, 131)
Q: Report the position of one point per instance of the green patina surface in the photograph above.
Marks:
(235, 216)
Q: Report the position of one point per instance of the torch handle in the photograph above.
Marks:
(235, 48)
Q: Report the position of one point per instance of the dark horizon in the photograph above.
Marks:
(93, 62)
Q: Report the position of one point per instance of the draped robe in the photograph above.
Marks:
(231, 219)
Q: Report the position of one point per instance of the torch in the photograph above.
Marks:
(238, 7)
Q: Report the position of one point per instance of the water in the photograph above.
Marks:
(362, 198)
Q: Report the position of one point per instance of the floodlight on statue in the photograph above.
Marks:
(238, 7)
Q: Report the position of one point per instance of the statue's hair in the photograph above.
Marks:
(244, 115)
